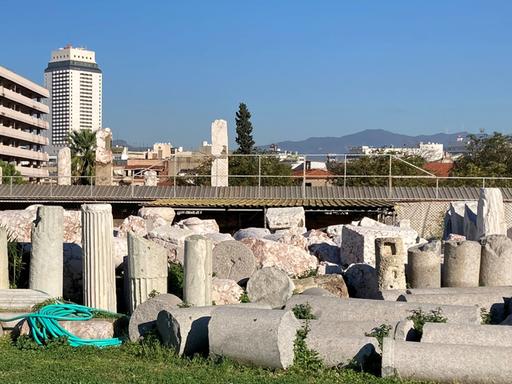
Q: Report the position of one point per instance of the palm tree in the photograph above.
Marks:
(82, 144)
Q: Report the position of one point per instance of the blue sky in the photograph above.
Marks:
(304, 68)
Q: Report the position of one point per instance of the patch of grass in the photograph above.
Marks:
(305, 359)
(309, 273)
(419, 318)
(244, 297)
(380, 333)
(175, 279)
(303, 312)
(150, 362)
(485, 316)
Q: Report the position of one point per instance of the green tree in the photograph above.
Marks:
(269, 166)
(486, 156)
(244, 130)
(371, 166)
(10, 174)
(82, 144)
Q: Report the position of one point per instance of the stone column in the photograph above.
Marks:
(46, 259)
(1, 175)
(491, 213)
(197, 285)
(64, 166)
(99, 272)
(147, 269)
(389, 260)
(220, 164)
(496, 263)
(104, 157)
(150, 179)
(461, 263)
(424, 266)
(4, 260)
(469, 334)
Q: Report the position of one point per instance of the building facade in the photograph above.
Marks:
(74, 81)
(22, 124)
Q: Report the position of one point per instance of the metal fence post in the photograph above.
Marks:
(390, 181)
(345, 177)
(304, 178)
(483, 182)
(259, 172)
(175, 173)
(10, 185)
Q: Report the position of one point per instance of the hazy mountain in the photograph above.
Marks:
(370, 137)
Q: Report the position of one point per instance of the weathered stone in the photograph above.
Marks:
(334, 284)
(461, 264)
(220, 150)
(291, 236)
(442, 363)
(4, 260)
(99, 271)
(21, 299)
(361, 280)
(390, 268)
(225, 291)
(271, 286)
(46, 259)
(143, 319)
(233, 260)
(334, 232)
(217, 238)
(147, 269)
(133, 224)
(505, 291)
(496, 261)
(293, 260)
(251, 232)
(172, 239)
(198, 226)
(455, 237)
(197, 266)
(333, 309)
(468, 334)
(491, 213)
(316, 291)
(64, 166)
(282, 218)
(165, 213)
(119, 250)
(85, 329)
(358, 243)
(424, 265)
(103, 163)
(150, 178)
(470, 219)
(325, 249)
(271, 334)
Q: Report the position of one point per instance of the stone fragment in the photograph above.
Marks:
(334, 284)
(334, 232)
(165, 213)
(361, 280)
(143, 319)
(470, 219)
(220, 150)
(21, 299)
(198, 226)
(197, 266)
(454, 219)
(150, 178)
(270, 285)
(271, 333)
(217, 238)
(233, 260)
(442, 363)
(251, 232)
(99, 271)
(293, 260)
(283, 218)
(468, 334)
(325, 249)
(225, 291)
(4, 260)
(424, 265)
(85, 329)
(46, 259)
(390, 268)
(496, 261)
(64, 166)
(316, 291)
(172, 239)
(133, 224)
(147, 270)
(292, 236)
(461, 264)
(491, 213)
(103, 163)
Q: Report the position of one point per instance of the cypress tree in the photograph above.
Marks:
(244, 130)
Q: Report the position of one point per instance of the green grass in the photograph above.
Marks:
(148, 363)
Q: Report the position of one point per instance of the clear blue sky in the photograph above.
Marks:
(304, 68)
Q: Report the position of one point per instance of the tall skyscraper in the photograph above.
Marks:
(75, 84)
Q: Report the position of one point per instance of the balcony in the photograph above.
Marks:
(21, 135)
(20, 80)
(19, 98)
(23, 153)
(32, 172)
(24, 118)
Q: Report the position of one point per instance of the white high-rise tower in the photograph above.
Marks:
(75, 84)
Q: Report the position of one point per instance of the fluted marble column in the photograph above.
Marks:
(4, 260)
(147, 269)
(197, 265)
(99, 272)
(46, 259)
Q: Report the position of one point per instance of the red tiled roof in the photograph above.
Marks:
(313, 173)
(438, 168)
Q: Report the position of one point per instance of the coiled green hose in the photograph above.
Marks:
(44, 324)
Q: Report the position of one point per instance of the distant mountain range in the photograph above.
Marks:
(370, 137)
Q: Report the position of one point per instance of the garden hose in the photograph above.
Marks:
(44, 324)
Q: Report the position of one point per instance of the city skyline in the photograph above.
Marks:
(303, 70)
